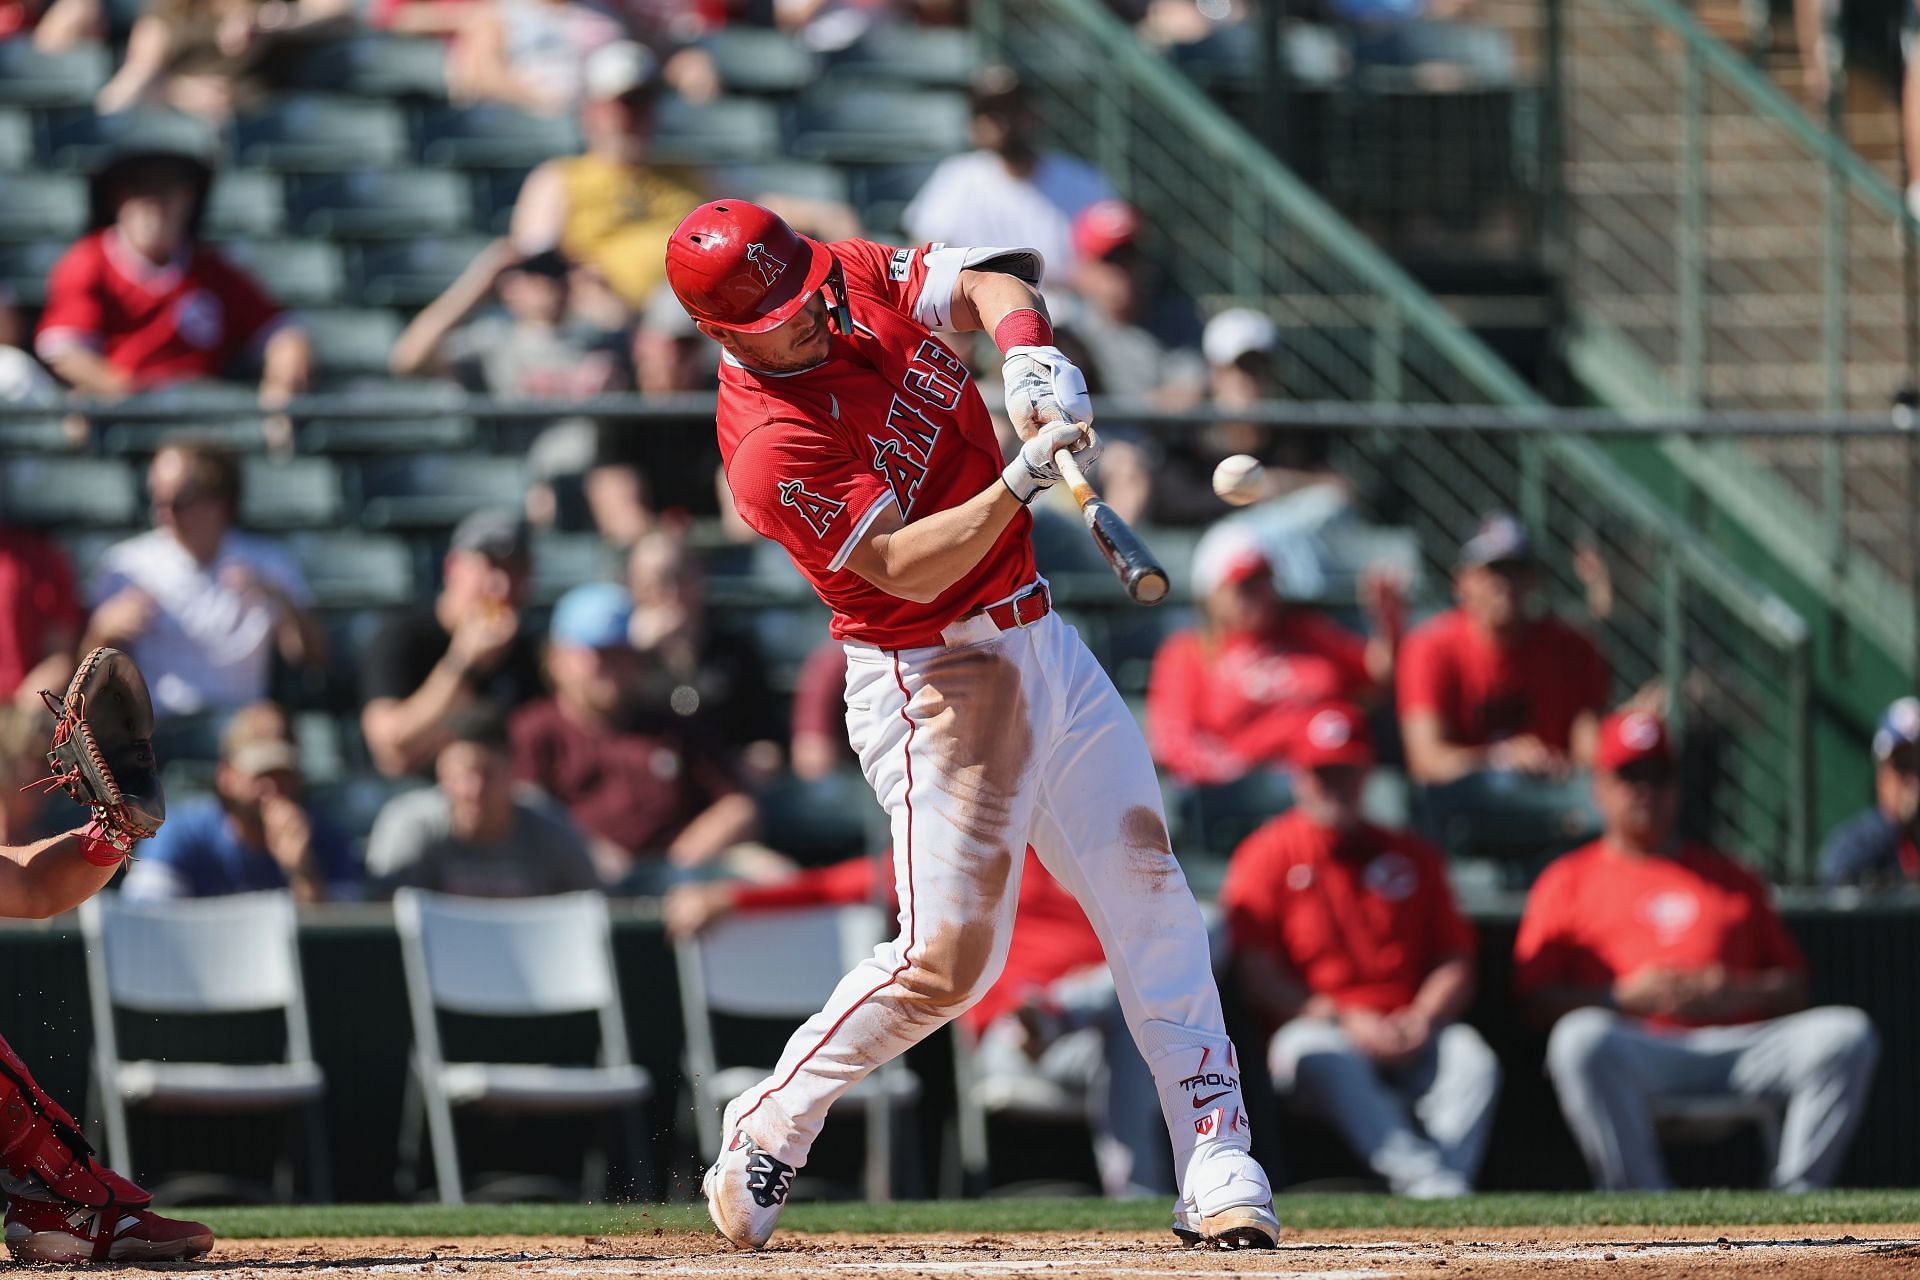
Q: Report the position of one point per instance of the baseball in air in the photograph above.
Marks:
(1240, 479)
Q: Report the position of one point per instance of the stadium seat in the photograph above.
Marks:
(754, 61)
(16, 139)
(95, 491)
(244, 433)
(24, 267)
(350, 340)
(490, 136)
(35, 435)
(782, 177)
(494, 194)
(413, 273)
(881, 192)
(425, 418)
(722, 132)
(31, 78)
(880, 125)
(289, 493)
(564, 560)
(245, 202)
(354, 570)
(376, 65)
(428, 490)
(320, 132)
(78, 141)
(326, 746)
(295, 273)
(374, 204)
(47, 205)
(931, 56)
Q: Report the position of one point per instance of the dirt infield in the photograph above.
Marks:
(1786, 1253)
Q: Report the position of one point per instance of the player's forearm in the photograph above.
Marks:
(47, 877)
(1447, 991)
(984, 298)
(920, 561)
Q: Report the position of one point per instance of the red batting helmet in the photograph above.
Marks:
(734, 264)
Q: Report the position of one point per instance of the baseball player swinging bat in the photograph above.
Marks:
(1132, 563)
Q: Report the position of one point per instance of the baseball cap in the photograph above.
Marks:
(1501, 539)
(548, 262)
(1899, 727)
(259, 740)
(1236, 332)
(1244, 564)
(1104, 226)
(496, 532)
(593, 615)
(1628, 738)
(1336, 734)
(617, 69)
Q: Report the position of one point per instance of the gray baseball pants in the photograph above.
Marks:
(1609, 1069)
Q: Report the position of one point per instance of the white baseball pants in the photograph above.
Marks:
(977, 748)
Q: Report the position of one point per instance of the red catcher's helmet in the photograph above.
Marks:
(739, 266)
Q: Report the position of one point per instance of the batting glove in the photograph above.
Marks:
(1043, 386)
(1034, 469)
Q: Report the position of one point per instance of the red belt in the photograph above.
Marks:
(1023, 610)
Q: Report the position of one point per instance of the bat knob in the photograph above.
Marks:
(1148, 586)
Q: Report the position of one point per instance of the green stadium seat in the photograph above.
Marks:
(376, 65)
(370, 204)
(879, 125)
(782, 177)
(96, 491)
(757, 61)
(425, 416)
(722, 132)
(246, 202)
(24, 267)
(350, 340)
(413, 273)
(16, 139)
(494, 194)
(34, 435)
(564, 560)
(351, 569)
(31, 78)
(289, 493)
(319, 132)
(141, 440)
(296, 273)
(78, 141)
(489, 136)
(930, 56)
(431, 490)
(327, 747)
(881, 192)
(50, 205)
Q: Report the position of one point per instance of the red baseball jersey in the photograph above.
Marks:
(38, 604)
(188, 319)
(1363, 923)
(1216, 710)
(1484, 692)
(890, 419)
(1597, 915)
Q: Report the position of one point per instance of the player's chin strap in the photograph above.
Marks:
(835, 293)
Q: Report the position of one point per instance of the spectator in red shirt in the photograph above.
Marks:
(138, 303)
(40, 616)
(1050, 1023)
(1231, 695)
(1347, 943)
(646, 786)
(1665, 972)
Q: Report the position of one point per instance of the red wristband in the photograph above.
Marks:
(97, 849)
(1025, 327)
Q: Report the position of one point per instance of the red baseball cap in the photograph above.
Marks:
(1104, 226)
(1245, 564)
(1629, 737)
(1336, 734)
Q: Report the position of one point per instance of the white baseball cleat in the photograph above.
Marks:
(1228, 1203)
(746, 1190)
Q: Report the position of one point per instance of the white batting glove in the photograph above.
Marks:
(1034, 469)
(1044, 386)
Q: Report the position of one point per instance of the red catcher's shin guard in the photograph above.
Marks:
(41, 1146)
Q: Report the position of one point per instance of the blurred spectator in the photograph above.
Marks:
(1051, 1022)
(1430, 41)
(427, 666)
(1007, 193)
(199, 605)
(1882, 845)
(40, 616)
(532, 349)
(609, 209)
(585, 472)
(445, 19)
(255, 832)
(1242, 349)
(139, 303)
(1142, 338)
(1665, 972)
(1349, 947)
(23, 380)
(476, 833)
(1233, 694)
(57, 26)
(702, 666)
(818, 744)
(643, 783)
(23, 761)
(211, 57)
(670, 354)
(1496, 684)
(531, 54)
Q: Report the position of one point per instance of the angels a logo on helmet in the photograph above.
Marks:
(765, 263)
(820, 511)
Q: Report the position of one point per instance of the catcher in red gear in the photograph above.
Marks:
(63, 1205)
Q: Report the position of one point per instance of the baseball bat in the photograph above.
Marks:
(1132, 563)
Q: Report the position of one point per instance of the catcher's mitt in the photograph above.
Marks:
(103, 748)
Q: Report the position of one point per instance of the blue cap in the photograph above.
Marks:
(593, 616)
(1899, 727)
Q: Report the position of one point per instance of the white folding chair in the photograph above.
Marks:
(204, 956)
(727, 970)
(524, 958)
(981, 1097)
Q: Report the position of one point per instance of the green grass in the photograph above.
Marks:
(1307, 1212)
